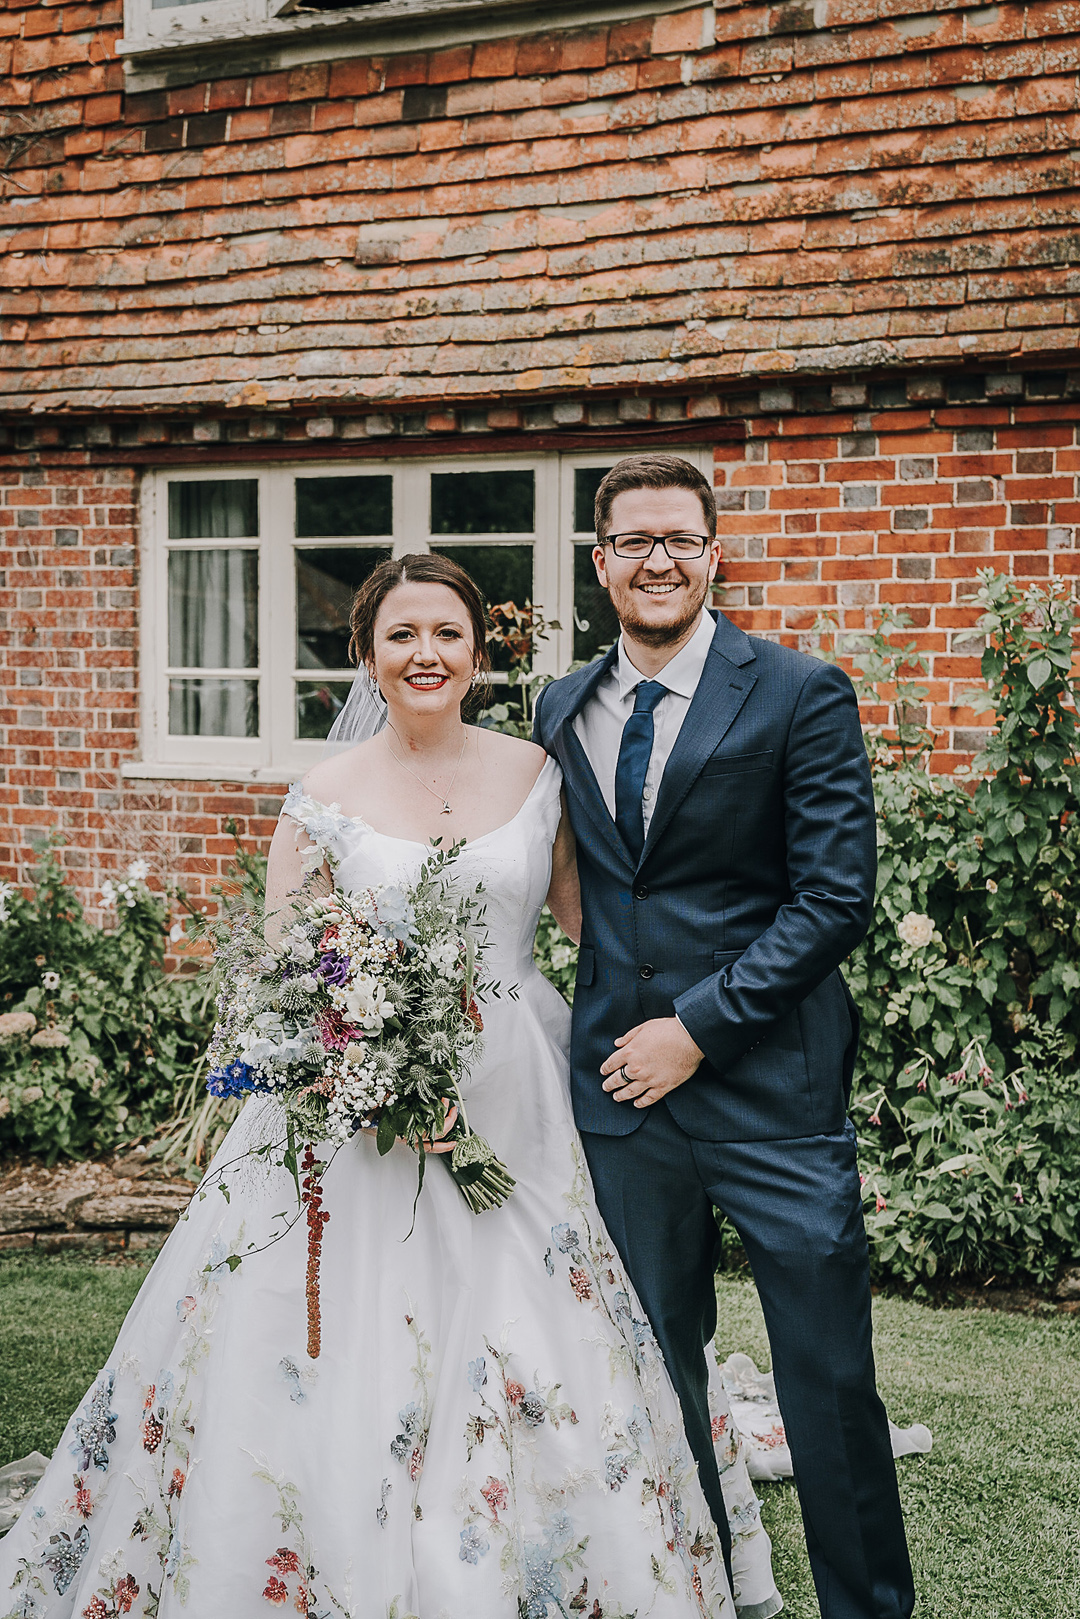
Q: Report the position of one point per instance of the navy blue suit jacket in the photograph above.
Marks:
(756, 880)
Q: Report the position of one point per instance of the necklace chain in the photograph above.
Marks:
(443, 798)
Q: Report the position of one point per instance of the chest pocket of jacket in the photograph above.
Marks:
(738, 764)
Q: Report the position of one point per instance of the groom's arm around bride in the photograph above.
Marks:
(720, 795)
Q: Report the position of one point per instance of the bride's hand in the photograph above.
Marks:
(439, 1144)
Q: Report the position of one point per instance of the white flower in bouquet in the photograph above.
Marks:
(443, 954)
(916, 930)
(364, 1001)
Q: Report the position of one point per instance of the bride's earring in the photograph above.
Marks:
(373, 687)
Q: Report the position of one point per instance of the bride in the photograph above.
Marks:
(489, 1431)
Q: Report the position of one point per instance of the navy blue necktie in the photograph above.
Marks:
(635, 751)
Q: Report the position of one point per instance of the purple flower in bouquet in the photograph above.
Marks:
(334, 968)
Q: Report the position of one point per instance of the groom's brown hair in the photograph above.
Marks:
(652, 472)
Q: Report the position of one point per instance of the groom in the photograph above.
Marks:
(720, 794)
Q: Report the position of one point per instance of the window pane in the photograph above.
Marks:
(213, 611)
(327, 578)
(213, 708)
(318, 703)
(344, 506)
(586, 483)
(482, 502)
(595, 623)
(503, 573)
(221, 509)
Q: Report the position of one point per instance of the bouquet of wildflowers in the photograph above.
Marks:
(361, 1015)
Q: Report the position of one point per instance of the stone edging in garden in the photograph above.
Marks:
(117, 1205)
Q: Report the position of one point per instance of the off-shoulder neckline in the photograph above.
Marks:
(417, 843)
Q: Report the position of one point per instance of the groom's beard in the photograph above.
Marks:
(660, 635)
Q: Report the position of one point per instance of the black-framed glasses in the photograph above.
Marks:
(637, 547)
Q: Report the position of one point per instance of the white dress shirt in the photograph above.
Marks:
(599, 725)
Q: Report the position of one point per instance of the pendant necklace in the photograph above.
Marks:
(444, 800)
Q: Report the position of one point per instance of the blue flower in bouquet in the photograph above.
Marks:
(334, 968)
(395, 918)
(234, 1079)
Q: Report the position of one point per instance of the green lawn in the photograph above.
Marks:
(993, 1512)
(58, 1319)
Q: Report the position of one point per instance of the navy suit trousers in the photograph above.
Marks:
(797, 1208)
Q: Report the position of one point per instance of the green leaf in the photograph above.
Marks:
(386, 1135)
(233, 1261)
(1038, 671)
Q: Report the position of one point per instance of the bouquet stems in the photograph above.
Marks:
(483, 1181)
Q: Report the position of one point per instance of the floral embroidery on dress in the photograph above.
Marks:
(95, 1426)
(323, 823)
(294, 1578)
(118, 1592)
(410, 1444)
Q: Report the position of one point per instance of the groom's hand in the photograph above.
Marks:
(650, 1060)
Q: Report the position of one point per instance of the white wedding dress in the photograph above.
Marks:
(488, 1432)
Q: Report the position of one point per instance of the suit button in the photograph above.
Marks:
(641, 891)
(646, 971)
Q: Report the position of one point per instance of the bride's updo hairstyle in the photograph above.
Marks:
(418, 568)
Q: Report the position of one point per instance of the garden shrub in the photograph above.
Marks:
(94, 1037)
(968, 1097)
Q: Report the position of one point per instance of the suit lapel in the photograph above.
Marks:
(575, 762)
(726, 682)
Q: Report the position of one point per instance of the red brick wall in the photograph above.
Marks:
(822, 509)
(69, 709)
(843, 513)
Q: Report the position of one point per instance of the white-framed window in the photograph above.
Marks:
(249, 574)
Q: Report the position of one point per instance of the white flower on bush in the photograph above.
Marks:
(51, 980)
(916, 930)
(113, 893)
(13, 1023)
(139, 870)
(176, 932)
(6, 892)
(50, 1038)
(991, 886)
(32, 1093)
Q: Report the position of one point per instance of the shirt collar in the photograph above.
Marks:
(684, 671)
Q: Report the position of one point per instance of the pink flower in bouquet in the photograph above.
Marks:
(334, 1033)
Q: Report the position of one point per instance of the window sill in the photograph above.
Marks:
(171, 56)
(266, 774)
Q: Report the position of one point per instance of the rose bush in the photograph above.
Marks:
(94, 1037)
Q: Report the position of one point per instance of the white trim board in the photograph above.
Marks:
(169, 46)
